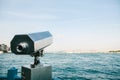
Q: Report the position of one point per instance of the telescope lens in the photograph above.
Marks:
(19, 48)
(22, 47)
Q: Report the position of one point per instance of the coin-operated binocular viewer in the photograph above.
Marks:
(33, 44)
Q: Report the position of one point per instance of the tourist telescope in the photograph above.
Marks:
(33, 44)
(30, 43)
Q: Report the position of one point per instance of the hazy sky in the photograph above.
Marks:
(75, 24)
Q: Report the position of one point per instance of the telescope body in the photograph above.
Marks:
(30, 43)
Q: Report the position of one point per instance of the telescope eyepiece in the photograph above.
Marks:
(22, 47)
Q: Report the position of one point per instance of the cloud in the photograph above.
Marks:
(31, 16)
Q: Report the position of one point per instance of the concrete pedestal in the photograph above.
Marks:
(38, 73)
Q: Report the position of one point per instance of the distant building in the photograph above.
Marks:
(4, 48)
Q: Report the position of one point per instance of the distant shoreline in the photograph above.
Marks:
(73, 52)
(83, 53)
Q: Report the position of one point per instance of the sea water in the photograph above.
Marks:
(83, 66)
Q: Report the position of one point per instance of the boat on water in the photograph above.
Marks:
(4, 48)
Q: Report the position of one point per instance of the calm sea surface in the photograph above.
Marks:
(86, 66)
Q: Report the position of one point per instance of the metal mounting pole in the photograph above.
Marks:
(36, 56)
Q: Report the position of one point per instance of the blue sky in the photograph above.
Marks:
(75, 24)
